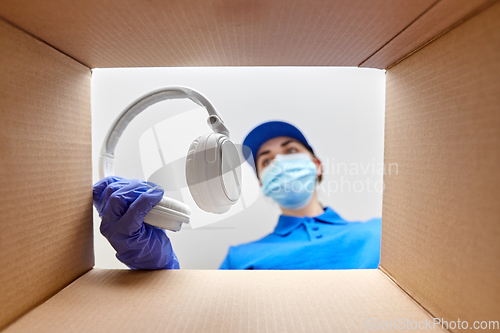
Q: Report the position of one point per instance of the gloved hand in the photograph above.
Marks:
(122, 205)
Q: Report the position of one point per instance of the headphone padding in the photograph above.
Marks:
(192, 175)
(175, 205)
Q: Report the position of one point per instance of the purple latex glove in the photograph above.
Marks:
(122, 205)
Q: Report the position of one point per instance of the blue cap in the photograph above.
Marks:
(267, 131)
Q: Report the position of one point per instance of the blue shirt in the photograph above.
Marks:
(325, 241)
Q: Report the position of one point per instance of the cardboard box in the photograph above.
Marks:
(440, 248)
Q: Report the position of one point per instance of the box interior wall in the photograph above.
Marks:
(440, 212)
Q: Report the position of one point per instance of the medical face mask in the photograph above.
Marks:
(290, 180)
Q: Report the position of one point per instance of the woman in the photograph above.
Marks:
(307, 236)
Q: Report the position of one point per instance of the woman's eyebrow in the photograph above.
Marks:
(282, 145)
(287, 142)
(262, 153)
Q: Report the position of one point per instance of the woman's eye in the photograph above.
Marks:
(265, 162)
(291, 150)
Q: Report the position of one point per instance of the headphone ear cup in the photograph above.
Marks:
(204, 167)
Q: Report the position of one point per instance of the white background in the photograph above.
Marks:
(340, 110)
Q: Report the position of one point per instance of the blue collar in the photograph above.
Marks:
(287, 224)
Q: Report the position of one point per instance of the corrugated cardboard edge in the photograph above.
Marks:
(377, 60)
(46, 208)
(440, 215)
(393, 280)
(127, 33)
(384, 47)
(224, 301)
(41, 40)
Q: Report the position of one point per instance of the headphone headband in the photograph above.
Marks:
(174, 92)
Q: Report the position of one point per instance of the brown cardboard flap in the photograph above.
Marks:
(129, 33)
(224, 301)
(45, 168)
(441, 212)
(441, 17)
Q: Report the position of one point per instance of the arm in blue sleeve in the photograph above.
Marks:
(122, 205)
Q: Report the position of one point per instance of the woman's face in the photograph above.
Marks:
(281, 145)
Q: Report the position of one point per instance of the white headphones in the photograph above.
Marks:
(212, 162)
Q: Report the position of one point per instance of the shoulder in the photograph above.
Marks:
(369, 228)
(374, 223)
(240, 256)
(253, 245)
(372, 226)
